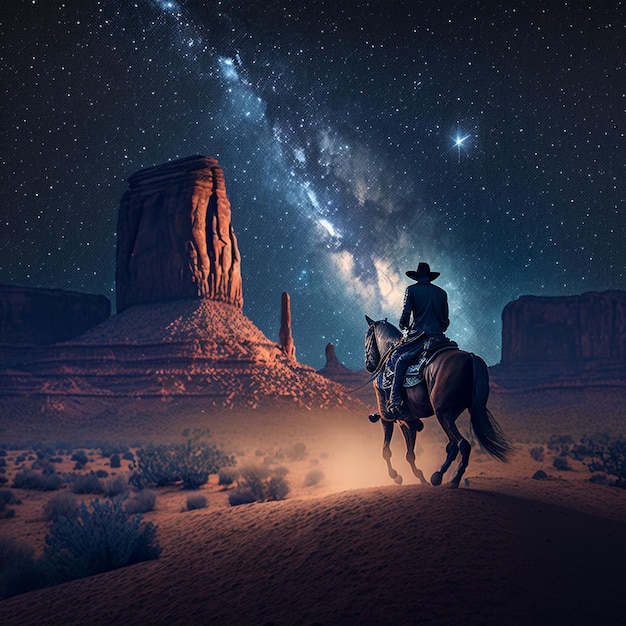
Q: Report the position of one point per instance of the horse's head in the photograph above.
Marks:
(372, 353)
(379, 337)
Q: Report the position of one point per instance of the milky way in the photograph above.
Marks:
(357, 139)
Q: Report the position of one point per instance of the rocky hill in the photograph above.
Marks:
(567, 340)
(179, 331)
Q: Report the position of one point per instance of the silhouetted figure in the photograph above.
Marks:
(427, 305)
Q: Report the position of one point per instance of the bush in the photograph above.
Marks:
(537, 453)
(196, 501)
(60, 505)
(259, 484)
(19, 571)
(560, 463)
(27, 479)
(81, 459)
(6, 498)
(239, 496)
(607, 455)
(86, 483)
(97, 540)
(298, 452)
(115, 486)
(115, 461)
(313, 477)
(227, 477)
(191, 464)
(142, 502)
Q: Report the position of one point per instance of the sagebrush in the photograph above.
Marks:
(190, 464)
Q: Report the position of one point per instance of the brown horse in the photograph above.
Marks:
(454, 381)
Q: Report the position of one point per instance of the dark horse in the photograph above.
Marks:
(454, 381)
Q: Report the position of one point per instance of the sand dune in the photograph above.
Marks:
(356, 549)
(503, 551)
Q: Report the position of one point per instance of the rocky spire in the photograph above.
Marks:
(174, 236)
(286, 338)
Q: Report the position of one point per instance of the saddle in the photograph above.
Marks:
(433, 346)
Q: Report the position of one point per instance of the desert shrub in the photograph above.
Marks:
(239, 496)
(80, 457)
(196, 501)
(19, 571)
(297, 452)
(115, 486)
(226, 477)
(27, 479)
(259, 484)
(537, 453)
(607, 455)
(86, 483)
(60, 505)
(99, 539)
(561, 463)
(190, 464)
(115, 461)
(3, 480)
(128, 456)
(313, 477)
(560, 444)
(142, 502)
(101, 473)
(280, 470)
(7, 497)
(3, 462)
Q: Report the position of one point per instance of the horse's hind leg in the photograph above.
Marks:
(452, 449)
(457, 444)
(409, 430)
(388, 431)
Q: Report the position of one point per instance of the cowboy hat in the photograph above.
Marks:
(423, 271)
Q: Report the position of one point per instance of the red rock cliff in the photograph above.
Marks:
(46, 316)
(571, 329)
(175, 238)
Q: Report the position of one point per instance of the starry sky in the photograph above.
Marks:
(357, 139)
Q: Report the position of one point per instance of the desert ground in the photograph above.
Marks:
(348, 546)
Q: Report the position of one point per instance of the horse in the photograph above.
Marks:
(454, 381)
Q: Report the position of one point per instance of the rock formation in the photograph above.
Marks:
(46, 316)
(548, 339)
(353, 380)
(284, 335)
(175, 238)
(179, 333)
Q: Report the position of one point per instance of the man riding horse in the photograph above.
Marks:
(427, 304)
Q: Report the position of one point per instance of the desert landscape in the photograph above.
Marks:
(347, 546)
(259, 482)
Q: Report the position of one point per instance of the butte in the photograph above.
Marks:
(179, 332)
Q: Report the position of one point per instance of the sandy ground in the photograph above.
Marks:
(354, 548)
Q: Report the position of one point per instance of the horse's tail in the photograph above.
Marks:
(485, 427)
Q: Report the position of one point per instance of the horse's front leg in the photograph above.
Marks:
(388, 431)
(409, 430)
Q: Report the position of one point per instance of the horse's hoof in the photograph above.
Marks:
(453, 485)
(398, 480)
(374, 417)
(436, 479)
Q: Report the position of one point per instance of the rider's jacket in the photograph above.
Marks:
(428, 304)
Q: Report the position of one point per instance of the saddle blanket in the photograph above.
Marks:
(415, 373)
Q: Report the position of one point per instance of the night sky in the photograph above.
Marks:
(356, 138)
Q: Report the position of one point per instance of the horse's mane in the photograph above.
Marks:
(387, 331)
